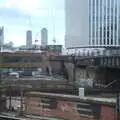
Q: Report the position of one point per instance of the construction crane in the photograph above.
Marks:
(53, 19)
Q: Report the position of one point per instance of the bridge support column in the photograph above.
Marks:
(70, 70)
(46, 64)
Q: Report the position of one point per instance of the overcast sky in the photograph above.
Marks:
(17, 16)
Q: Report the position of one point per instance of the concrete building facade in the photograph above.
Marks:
(94, 23)
(44, 37)
(28, 38)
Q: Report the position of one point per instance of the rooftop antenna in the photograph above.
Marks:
(53, 16)
(29, 22)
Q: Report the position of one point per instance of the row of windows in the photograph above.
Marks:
(104, 34)
(104, 42)
(99, 2)
(97, 18)
(106, 10)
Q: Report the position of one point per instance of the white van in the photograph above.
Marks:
(14, 75)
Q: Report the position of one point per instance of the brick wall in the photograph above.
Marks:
(69, 109)
(107, 113)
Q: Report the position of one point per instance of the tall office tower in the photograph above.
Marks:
(104, 23)
(1, 36)
(28, 38)
(44, 37)
(92, 23)
(77, 23)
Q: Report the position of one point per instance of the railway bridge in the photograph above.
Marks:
(102, 69)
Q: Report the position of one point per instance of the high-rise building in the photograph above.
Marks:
(94, 23)
(1, 36)
(44, 37)
(29, 39)
(104, 22)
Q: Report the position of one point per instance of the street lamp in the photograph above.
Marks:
(118, 105)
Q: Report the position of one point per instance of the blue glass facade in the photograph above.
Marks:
(104, 22)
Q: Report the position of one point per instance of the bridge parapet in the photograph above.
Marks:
(35, 84)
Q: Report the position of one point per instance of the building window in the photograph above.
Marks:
(111, 40)
(93, 6)
(93, 42)
(100, 36)
(104, 32)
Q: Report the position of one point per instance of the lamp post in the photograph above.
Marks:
(118, 105)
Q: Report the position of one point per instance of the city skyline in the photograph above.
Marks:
(18, 17)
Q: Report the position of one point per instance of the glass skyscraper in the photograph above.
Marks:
(94, 23)
(28, 38)
(44, 37)
(104, 22)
